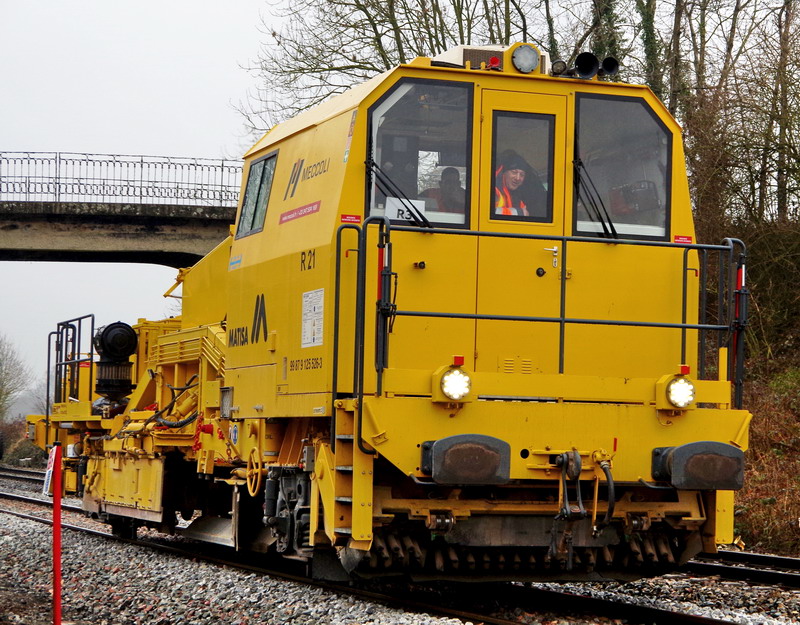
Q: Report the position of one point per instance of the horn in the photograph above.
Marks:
(609, 66)
(586, 65)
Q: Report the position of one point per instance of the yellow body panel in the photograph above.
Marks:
(723, 530)
(627, 433)
(133, 484)
(204, 296)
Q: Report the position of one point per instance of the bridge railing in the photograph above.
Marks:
(76, 177)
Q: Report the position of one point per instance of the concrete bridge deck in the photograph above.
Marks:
(176, 236)
(111, 208)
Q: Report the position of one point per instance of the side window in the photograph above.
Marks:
(420, 146)
(522, 162)
(622, 168)
(256, 196)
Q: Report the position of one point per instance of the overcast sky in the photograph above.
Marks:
(116, 77)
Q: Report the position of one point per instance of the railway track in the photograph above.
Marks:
(441, 599)
(22, 475)
(41, 502)
(755, 568)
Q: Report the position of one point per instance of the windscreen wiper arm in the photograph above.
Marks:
(589, 195)
(390, 189)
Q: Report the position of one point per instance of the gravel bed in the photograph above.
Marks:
(30, 489)
(125, 584)
(709, 597)
(133, 585)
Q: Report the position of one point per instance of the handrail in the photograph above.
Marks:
(336, 312)
(132, 179)
(69, 356)
(731, 314)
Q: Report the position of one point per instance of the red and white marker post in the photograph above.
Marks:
(54, 473)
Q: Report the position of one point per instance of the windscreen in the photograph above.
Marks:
(522, 166)
(420, 142)
(622, 169)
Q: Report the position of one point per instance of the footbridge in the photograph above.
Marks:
(102, 207)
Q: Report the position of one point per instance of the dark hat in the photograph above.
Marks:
(509, 160)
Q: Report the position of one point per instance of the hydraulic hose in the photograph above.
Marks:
(606, 467)
(157, 416)
(177, 424)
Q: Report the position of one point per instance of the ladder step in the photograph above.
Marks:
(343, 530)
(345, 468)
(344, 437)
(343, 499)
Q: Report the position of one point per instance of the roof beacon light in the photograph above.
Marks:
(525, 59)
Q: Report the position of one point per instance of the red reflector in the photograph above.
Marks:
(685, 369)
(458, 361)
(494, 63)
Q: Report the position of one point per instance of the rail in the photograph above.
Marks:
(79, 177)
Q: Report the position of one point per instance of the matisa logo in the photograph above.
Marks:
(301, 174)
(244, 335)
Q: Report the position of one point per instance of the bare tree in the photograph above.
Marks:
(785, 21)
(14, 375)
(40, 397)
(722, 67)
(651, 46)
(326, 46)
(607, 37)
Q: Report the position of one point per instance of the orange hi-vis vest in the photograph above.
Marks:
(503, 203)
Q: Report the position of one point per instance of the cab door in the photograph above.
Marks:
(523, 144)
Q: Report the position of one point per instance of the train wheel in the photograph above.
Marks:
(254, 468)
(123, 527)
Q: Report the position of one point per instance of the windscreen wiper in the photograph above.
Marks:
(390, 189)
(589, 195)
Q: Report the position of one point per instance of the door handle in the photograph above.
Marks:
(553, 249)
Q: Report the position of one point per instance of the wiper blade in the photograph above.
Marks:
(390, 189)
(591, 198)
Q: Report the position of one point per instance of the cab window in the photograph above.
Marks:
(256, 196)
(622, 169)
(420, 139)
(522, 162)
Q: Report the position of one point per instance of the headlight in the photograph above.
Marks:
(680, 392)
(456, 384)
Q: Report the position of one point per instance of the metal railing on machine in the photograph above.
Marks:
(727, 327)
(77, 177)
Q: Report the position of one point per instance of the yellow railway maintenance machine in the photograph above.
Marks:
(462, 328)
